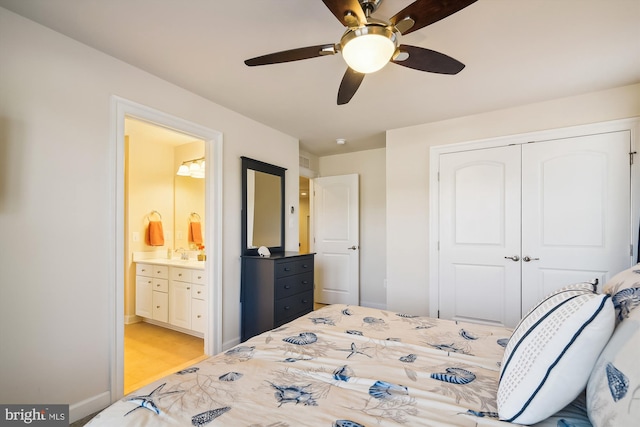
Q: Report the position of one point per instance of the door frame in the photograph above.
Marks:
(121, 108)
(631, 124)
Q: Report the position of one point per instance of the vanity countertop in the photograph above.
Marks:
(175, 262)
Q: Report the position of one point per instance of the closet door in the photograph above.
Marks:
(479, 262)
(575, 212)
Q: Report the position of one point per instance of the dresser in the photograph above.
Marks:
(275, 290)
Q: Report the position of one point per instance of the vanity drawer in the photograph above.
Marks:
(151, 270)
(199, 292)
(291, 285)
(144, 270)
(181, 274)
(161, 285)
(198, 276)
(292, 307)
(299, 265)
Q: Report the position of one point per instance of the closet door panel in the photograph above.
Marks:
(480, 226)
(575, 212)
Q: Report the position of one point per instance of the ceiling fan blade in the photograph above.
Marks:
(421, 13)
(293, 55)
(348, 12)
(427, 60)
(349, 85)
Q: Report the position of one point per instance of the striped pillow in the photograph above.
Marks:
(551, 353)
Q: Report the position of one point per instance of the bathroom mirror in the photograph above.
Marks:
(262, 206)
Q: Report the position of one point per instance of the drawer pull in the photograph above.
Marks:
(144, 269)
(304, 282)
(287, 269)
(304, 301)
(149, 281)
(286, 307)
(159, 271)
(305, 266)
(188, 288)
(287, 287)
(157, 306)
(199, 316)
(199, 292)
(199, 277)
(179, 274)
(158, 285)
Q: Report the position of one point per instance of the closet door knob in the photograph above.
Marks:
(527, 258)
(513, 258)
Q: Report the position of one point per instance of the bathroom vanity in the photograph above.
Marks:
(173, 294)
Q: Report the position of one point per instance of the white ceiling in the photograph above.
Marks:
(516, 52)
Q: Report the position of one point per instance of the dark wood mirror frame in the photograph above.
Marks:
(256, 165)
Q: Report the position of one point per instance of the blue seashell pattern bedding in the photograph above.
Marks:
(338, 366)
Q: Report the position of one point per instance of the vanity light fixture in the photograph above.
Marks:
(194, 168)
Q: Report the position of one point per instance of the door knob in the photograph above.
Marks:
(353, 248)
(513, 258)
(527, 258)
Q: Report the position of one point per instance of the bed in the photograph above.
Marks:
(349, 366)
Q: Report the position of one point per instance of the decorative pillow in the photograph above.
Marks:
(551, 353)
(613, 390)
(572, 415)
(624, 289)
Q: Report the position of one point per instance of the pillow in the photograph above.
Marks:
(624, 289)
(551, 353)
(613, 390)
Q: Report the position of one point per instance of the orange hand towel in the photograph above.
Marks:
(195, 232)
(155, 236)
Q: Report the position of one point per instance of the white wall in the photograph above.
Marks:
(56, 183)
(408, 175)
(370, 166)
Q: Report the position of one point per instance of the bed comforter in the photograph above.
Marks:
(342, 366)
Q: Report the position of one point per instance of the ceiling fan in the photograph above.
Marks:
(368, 44)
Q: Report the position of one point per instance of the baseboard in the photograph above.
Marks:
(373, 305)
(230, 343)
(89, 406)
(132, 318)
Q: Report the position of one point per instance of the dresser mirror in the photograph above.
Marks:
(263, 209)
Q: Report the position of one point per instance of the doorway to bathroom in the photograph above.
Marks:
(179, 272)
(164, 187)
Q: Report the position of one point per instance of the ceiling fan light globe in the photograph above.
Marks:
(368, 49)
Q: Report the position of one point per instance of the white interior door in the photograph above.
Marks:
(575, 212)
(337, 260)
(479, 230)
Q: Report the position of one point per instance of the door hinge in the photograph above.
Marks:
(631, 156)
(630, 250)
(438, 314)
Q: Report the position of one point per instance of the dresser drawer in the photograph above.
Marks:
(293, 306)
(299, 265)
(291, 285)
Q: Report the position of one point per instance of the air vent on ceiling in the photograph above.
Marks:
(304, 162)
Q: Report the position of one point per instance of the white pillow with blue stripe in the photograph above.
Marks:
(552, 351)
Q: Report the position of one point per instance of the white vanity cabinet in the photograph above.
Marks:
(171, 296)
(152, 285)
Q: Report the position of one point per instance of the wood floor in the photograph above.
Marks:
(151, 352)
